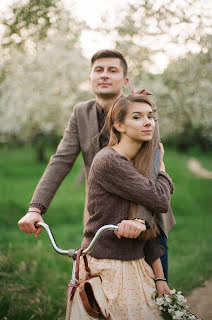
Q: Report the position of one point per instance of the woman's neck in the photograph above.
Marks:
(128, 147)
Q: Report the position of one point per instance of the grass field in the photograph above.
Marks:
(33, 277)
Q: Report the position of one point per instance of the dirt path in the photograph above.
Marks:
(200, 301)
(196, 167)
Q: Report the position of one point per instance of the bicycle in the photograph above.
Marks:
(74, 254)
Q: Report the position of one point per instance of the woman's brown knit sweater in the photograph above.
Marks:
(113, 183)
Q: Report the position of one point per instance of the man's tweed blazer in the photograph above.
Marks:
(81, 136)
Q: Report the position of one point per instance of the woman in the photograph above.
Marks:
(116, 184)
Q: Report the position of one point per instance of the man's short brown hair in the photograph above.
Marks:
(110, 54)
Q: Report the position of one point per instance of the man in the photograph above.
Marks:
(107, 78)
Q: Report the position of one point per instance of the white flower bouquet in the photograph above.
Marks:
(174, 307)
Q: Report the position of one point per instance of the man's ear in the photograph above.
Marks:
(126, 81)
(119, 127)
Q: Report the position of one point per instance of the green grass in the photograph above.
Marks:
(190, 253)
(33, 278)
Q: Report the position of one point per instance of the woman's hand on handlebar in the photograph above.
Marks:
(130, 229)
(27, 223)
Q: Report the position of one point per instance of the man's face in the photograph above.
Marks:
(107, 78)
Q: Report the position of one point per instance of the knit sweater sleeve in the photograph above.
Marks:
(114, 173)
(153, 250)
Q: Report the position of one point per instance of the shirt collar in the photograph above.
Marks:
(100, 109)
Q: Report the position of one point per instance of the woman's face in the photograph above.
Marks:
(138, 124)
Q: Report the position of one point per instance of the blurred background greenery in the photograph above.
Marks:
(44, 68)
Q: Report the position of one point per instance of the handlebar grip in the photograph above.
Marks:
(36, 224)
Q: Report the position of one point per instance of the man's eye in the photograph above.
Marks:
(150, 117)
(113, 70)
(98, 70)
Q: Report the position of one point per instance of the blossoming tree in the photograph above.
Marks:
(40, 90)
(42, 71)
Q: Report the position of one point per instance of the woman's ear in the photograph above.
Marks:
(119, 127)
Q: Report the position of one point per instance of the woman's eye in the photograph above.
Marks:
(136, 117)
(150, 117)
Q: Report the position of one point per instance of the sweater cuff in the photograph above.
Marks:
(38, 206)
(153, 250)
(165, 175)
(155, 254)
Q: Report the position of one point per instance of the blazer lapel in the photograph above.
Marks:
(94, 129)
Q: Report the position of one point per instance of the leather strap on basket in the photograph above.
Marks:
(86, 266)
(79, 252)
(87, 269)
(72, 286)
(93, 313)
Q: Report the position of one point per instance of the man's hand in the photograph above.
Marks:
(162, 287)
(27, 223)
(162, 165)
(130, 229)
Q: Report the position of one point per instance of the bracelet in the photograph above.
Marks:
(34, 211)
(160, 279)
(140, 220)
(39, 206)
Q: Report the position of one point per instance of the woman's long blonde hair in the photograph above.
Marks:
(141, 162)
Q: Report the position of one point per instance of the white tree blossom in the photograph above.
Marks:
(40, 90)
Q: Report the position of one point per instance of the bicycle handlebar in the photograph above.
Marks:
(72, 252)
(98, 235)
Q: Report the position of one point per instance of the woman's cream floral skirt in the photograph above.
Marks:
(128, 285)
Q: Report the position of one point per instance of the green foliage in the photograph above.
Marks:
(151, 29)
(33, 278)
(40, 73)
(40, 83)
(186, 103)
(40, 87)
(29, 20)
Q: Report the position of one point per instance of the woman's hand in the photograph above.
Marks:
(162, 165)
(130, 229)
(162, 287)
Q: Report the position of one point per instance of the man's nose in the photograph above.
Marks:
(105, 74)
